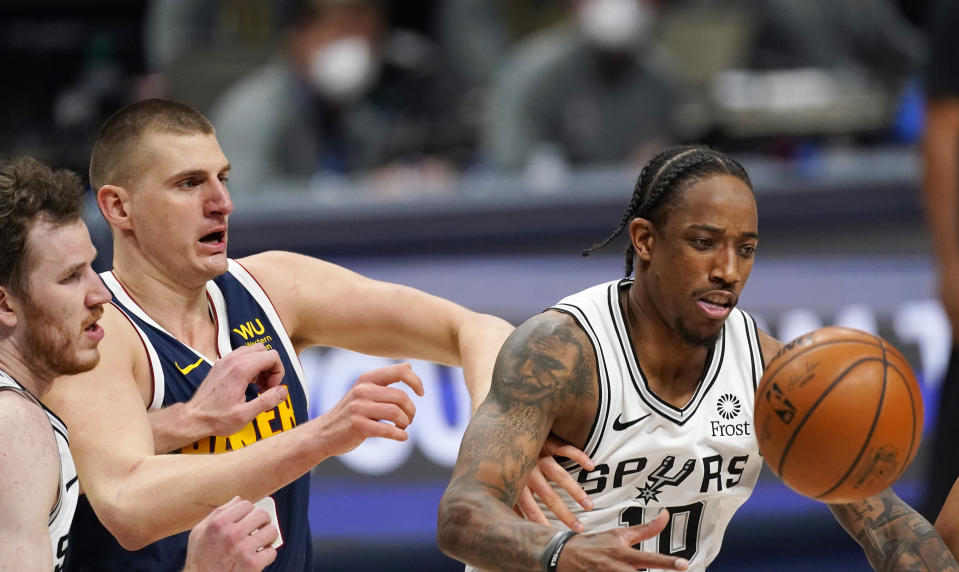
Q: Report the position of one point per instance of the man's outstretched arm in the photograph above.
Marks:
(894, 536)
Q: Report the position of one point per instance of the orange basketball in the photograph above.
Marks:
(838, 414)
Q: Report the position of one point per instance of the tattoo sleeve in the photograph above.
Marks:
(546, 365)
(894, 536)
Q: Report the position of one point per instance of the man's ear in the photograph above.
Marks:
(641, 234)
(113, 202)
(9, 308)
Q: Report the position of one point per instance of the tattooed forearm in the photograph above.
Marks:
(497, 456)
(475, 529)
(894, 536)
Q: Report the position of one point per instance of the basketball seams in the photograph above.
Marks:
(872, 428)
(822, 397)
(828, 388)
(773, 367)
(915, 435)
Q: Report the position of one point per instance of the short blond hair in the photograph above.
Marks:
(115, 148)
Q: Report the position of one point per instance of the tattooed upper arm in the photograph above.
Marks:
(546, 363)
(546, 367)
(893, 535)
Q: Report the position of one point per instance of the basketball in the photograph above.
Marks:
(838, 414)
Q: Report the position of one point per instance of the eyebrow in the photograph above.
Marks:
(79, 265)
(198, 173)
(73, 268)
(717, 230)
(185, 174)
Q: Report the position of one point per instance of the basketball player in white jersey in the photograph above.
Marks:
(654, 378)
(51, 301)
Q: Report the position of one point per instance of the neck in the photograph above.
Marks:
(27, 372)
(672, 367)
(180, 307)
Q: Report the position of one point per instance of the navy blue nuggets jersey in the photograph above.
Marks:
(244, 315)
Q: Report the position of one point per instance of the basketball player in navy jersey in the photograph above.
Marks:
(179, 303)
(653, 378)
(51, 302)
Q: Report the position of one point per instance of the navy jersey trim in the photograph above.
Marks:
(141, 335)
(268, 297)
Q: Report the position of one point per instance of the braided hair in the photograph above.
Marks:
(662, 181)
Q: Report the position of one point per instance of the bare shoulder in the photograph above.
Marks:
(769, 345)
(29, 472)
(275, 269)
(123, 366)
(547, 357)
(20, 416)
(27, 444)
(291, 278)
(262, 264)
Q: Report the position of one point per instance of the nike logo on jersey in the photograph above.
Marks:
(619, 424)
(189, 368)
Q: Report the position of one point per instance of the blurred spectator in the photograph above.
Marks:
(593, 89)
(178, 29)
(822, 69)
(869, 34)
(346, 96)
(193, 49)
(476, 34)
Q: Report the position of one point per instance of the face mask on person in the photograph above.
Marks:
(344, 70)
(615, 25)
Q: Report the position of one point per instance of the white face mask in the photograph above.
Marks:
(615, 24)
(343, 70)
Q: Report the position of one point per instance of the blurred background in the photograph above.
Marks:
(472, 148)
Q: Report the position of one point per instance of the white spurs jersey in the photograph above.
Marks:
(61, 516)
(699, 461)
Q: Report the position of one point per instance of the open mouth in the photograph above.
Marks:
(214, 237)
(717, 305)
(95, 322)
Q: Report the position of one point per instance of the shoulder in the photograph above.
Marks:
(279, 270)
(123, 359)
(297, 284)
(549, 324)
(770, 346)
(120, 335)
(26, 436)
(18, 411)
(269, 261)
(30, 470)
(552, 348)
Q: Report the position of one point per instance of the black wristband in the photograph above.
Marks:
(555, 546)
